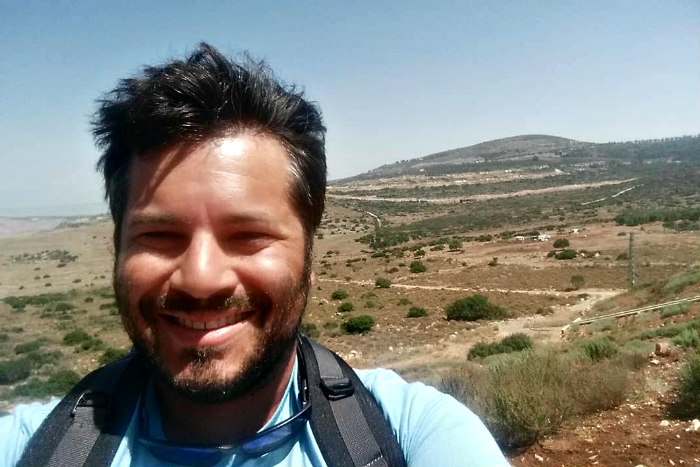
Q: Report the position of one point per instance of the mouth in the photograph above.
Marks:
(207, 325)
(204, 329)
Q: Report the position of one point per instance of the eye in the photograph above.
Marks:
(248, 242)
(160, 239)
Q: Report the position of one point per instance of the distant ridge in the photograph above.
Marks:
(504, 149)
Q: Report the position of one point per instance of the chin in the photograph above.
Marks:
(208, 375)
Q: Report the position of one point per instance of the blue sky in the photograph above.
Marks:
(395, 79)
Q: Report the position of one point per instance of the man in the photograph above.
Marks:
(215, 176)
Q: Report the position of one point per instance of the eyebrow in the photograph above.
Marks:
(141, 218)
(145, 218)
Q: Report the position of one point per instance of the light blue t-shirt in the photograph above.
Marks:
(432, 428)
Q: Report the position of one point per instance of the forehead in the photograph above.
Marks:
(246, 167)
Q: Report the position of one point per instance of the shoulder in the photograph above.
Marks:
(432, 427)
(17, 428)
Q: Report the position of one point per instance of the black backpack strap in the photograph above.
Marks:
(346, 421)
(86, 427)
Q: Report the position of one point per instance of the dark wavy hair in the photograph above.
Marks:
(205, 96)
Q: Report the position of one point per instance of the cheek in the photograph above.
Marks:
(271, 274)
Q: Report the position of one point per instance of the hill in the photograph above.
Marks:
(522, 150)
(514, 148)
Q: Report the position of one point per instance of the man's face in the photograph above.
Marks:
(212, 275)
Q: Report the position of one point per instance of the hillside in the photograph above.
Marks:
(524, 150)
(514, 148)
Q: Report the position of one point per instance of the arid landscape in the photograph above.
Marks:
(475, 270)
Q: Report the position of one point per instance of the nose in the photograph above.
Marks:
(204, 269)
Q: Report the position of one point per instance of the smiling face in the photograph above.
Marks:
(212, 274)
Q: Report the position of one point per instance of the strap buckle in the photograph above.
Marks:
(337, 388)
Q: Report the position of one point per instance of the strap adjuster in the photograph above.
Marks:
(337, 388)
(90, 399)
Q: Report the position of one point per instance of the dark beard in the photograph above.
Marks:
(254, 374)
(273, 350)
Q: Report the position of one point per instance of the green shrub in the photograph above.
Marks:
(112, 354)
(382, 283)
(30, 346)
(599, 349)
(687, 403)
(416, 312)
(527, 395)
(517, 342)
(76, 337)
(339, 294)
(566, 254)
(512, 343)
(484, 349)
(91, 343)
(403, 301)
(673, 310)
(678, 282)
(358, 325)
(417, 267)
(577, 281)
(15, 370)
(309, 329)
(622, 256)
(561, 243)
(670, 330)
(38, 359)
(58, 384)
(473, 308)
(345, 307)
(688, 338)
(455, 244)
(63, 306)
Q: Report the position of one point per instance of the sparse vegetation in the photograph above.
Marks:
(310, 329)
(30, 346)
(417, 267)
(577, 281)
(561, 243)
(382, 283)
(599, 349)
(75, 337)
(473, 308)
(530, 394)
(14, 370)
(57, 384)
(512, 343)
(358, 325)
(339, 294)
(687, 403)
(566, 254)
(416, 312)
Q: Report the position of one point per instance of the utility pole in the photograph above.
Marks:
(631, 269)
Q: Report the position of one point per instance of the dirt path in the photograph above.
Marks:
(453, 347)
(458, 199)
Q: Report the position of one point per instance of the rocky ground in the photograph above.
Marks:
(637, 433)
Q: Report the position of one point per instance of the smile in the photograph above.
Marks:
(207, 325)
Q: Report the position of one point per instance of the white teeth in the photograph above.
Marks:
(199, 325)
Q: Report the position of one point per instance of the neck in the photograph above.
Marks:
(187, 421)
